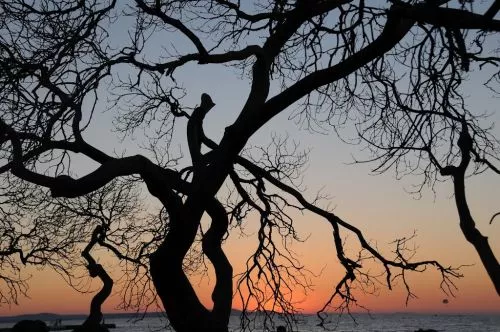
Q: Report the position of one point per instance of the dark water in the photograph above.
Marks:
(363, 323)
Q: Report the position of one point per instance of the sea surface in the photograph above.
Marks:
(363, 323)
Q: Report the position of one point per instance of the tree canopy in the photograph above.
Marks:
(394, 70)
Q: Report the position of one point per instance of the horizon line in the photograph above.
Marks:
(374, 312)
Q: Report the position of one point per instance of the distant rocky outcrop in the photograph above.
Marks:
(30, 326)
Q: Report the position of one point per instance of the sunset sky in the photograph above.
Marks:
(385, 215)
(380, 205)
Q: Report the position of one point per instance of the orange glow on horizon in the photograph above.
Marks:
(475, 295)
(49, 293)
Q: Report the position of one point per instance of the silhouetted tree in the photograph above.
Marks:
(120, 225)
(392, 69)
(42, 231)
(31, 235)
(95, 317)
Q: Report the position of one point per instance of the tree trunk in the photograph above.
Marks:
(93, 321)
(183, 308)
(473, 235)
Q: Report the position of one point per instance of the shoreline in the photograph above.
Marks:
(135, 315)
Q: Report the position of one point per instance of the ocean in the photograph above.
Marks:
(401, 322)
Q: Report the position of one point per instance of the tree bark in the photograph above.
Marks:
(467, 223)
(473, 235)
(93, 321)
(183, 308)
(212, 247)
